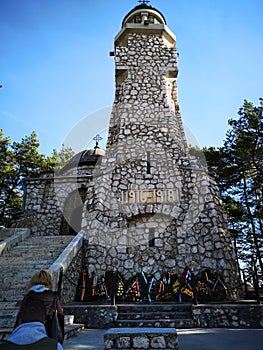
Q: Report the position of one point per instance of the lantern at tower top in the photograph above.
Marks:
(144, 19)
(144, 14)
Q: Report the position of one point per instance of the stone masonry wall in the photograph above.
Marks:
(41, 212)
(50, 201)
(228, 316)
(71, 278)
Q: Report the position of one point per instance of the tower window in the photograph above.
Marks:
(137, 19)
(121, 75)
(151, 19)
(151, 238)
(148, 163)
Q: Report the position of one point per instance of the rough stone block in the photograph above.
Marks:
(141, 338)
(140, 342)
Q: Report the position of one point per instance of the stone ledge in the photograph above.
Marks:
(20, 235)
(73, 329)
(141, 338)
(65, 258)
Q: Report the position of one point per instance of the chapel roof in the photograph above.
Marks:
(86, 157)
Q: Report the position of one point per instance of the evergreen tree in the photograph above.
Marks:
(61, 158)
(238, 168)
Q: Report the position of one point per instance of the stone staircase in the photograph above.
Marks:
(18, 264)
(163, 315)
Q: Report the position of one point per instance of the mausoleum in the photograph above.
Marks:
(145, 204)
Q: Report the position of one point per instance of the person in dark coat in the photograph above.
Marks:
(40, 288)
(31, 332)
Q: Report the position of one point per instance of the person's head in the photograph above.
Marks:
(35, 311)
(41, 277)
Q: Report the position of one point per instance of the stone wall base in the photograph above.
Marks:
(92, 316)
(239, 315)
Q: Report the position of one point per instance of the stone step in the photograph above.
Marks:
(18, 265)
(30, 249)
(31, 253)
(155, 315)
(14, 282)
(172, 323)
(8, 312)
(14, 273)
(154, 307)
(10, 263)
(152, 315)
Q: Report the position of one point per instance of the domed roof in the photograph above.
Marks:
(86, 157)
(143, 6)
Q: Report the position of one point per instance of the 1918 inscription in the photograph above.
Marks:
(150, 196)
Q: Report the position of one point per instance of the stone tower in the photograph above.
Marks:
(151, 206)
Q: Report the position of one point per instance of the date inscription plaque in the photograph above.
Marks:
(150, 196)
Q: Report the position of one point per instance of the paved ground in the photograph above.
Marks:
(189, 339)
(90, 339)
(220, 339)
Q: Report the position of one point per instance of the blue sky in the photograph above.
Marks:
(56, 70)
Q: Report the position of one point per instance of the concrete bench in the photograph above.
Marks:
(141, 338)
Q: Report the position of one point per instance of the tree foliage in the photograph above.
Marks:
(62, 157)
(238, 168)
